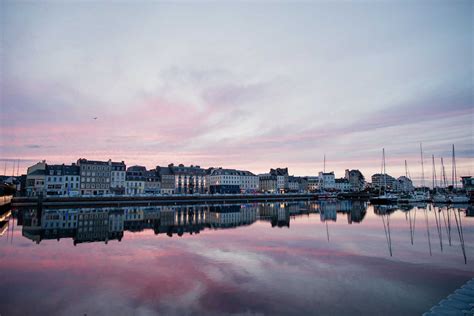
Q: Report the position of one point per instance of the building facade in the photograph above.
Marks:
(282, 178)
(356, 179)
(342, 185)
(327, 180)
(117, 177)
(95, 176)
(232, 181)
(379, 180)
(35, 179)
(152, 182)
(267, 183)
(135, 180)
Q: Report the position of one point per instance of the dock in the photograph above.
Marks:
(24, 202)
(461, 302)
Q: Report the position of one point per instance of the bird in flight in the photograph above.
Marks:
(95, 118)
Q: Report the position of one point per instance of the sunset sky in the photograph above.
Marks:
(241, 85)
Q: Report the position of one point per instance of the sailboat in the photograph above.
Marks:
(385, 198)
(418, 196)
(456, 197)
(438, 197)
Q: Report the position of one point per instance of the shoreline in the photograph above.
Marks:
(21, 202)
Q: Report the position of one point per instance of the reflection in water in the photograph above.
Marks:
(232, 259)
(460, 232)
(384, 211)
(85, 225)
(427, 229)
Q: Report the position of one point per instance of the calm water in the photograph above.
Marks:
(280, 258)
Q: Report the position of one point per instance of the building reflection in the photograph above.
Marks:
(84, 225)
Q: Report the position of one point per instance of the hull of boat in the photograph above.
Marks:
(459, 200)
(383, 201)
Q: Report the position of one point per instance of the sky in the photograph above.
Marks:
(248, 85)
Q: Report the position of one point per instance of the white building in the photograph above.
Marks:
(135, 180)
(232, 181)
(327, 180)
(342, 185)
(35, 179)
(117, 177)
(404, 184)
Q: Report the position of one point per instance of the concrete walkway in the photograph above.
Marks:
(461, 302)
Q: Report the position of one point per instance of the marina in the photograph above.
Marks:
(424, 250)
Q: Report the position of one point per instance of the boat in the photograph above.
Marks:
(385, 198)
(438, 196)
(456, 197)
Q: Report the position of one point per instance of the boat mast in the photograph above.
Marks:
(443, 172)
(453, 172)
(422, 169)
(324, 166)
(435, 184)
(384, 172)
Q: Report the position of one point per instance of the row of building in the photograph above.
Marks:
(92, 177)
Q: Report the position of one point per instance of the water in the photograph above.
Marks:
(278, 258)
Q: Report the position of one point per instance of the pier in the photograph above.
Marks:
(461, 302)
(20, 202)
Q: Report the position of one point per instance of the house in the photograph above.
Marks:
(135, 180)
(232, 181)
(356, 179)
(95, 176)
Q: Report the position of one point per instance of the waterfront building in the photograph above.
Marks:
(35, 179)
(282, 178)
(167, 179)
(342, 185)
(95, 176)
(303, 183)
(117, 177)
(379, 180)
(135, 180)
(313, 184)
(187, 180)
(356, 179)
(403, 184)
(267, 183)
(232, 181)
(71, 179)
(54, 180)
(293, 184)
(62, 180)
(152, 182)
(327, 180)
